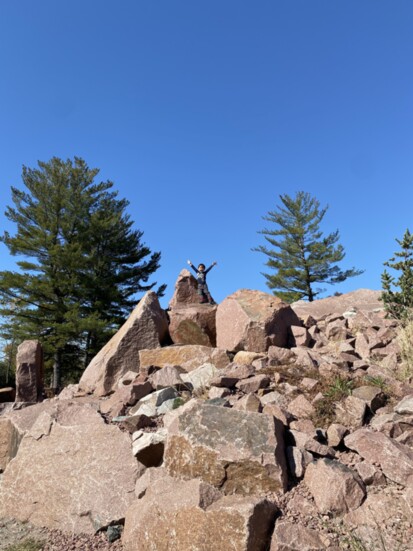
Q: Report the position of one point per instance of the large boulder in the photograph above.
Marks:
(238, 451)
(72, 471)
(193, 324)
(185, 290)
(189, 357)
(29, 372)
(253, 321)
(176, 515)
(146, 328)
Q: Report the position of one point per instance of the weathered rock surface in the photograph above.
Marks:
(185, 290)
(178, 515)
(9, 442)
(289, 536)
(395, 460)
(335, 488)
(193, 324)
(189, 357)
(362, 299)
(29, 372)
(75, 472)
(146, 328)
(253, 321)
(239, 452)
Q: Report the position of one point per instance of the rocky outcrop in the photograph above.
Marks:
(362, 300)
(71, 471)
(189, 357)
(29, 372)
(238, 451)
(193, 324)
(185, 292)
(253, 321)
(146, 328)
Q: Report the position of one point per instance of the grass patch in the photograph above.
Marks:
(339, 388)
(26, 545)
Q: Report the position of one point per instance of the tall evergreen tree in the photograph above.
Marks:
(399, 303)
(83, 262)
(299, 253)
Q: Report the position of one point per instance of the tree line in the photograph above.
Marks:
(83, 263)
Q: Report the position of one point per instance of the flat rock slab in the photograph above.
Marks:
(362, 299)
(238, 451)
(189, 357)
(176, 515)
(289, 536)
(72, 472)
(395, 460)
(146, 327)
(253, 321)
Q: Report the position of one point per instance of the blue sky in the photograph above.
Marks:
(203, 113)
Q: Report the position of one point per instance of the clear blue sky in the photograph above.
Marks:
(203, 113)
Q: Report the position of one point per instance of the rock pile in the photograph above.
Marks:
(289, 429)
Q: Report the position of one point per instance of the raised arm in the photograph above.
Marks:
(192, 266)
(210, 268)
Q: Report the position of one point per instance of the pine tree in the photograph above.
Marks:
(299, 253)
(83, 263)
(399, 304)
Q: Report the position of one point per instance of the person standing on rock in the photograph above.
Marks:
(203, 290)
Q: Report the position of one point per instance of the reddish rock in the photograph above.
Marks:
(253, 321)
(170, 375)
(176, 515)
(299, 336)
(185, 290)
(290, 536)
(280, 356)
(395, 460)
(253, 384)
(189, 357)
(362, 299)
(29, 372)
(72, 471)
(146, 328)
(193, 324)
(335, 487)
(9, 442)
(239, 452)
(250, 402)
(351, 412)
(301, 407)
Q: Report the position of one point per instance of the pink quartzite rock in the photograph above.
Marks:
(9, 442)
(335, 487)
(147, 327)
(185, 290)
(362, 299)
(395, 460)
(189, 357)
(238, 451)
(193, 324)
(253, 321)
(29, 372)
(176, 515)
(72, 471)
(289, 536)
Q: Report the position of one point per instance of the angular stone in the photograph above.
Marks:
(250, 402)
(189, 357)
(299, 336)
(371, 395)
(125, 396)
(186, 290)
(280, 356)
(149, 404)
(148, 447)
(405, 406)
(146, 328)
(298, 460)
(200, 377)
(239, 452)
(170, 375)
(351, 412)
(253, 321)
(335, 434)
(290, 536)
(278, 412)
(335, 487)
(29, 372)
(300, 407)
(9, 442)
(275, 398)
(193, 324)
(395, 460)
(246, 358)
(176, 515)
(72, 471)
(369, 474)
(253, 384)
